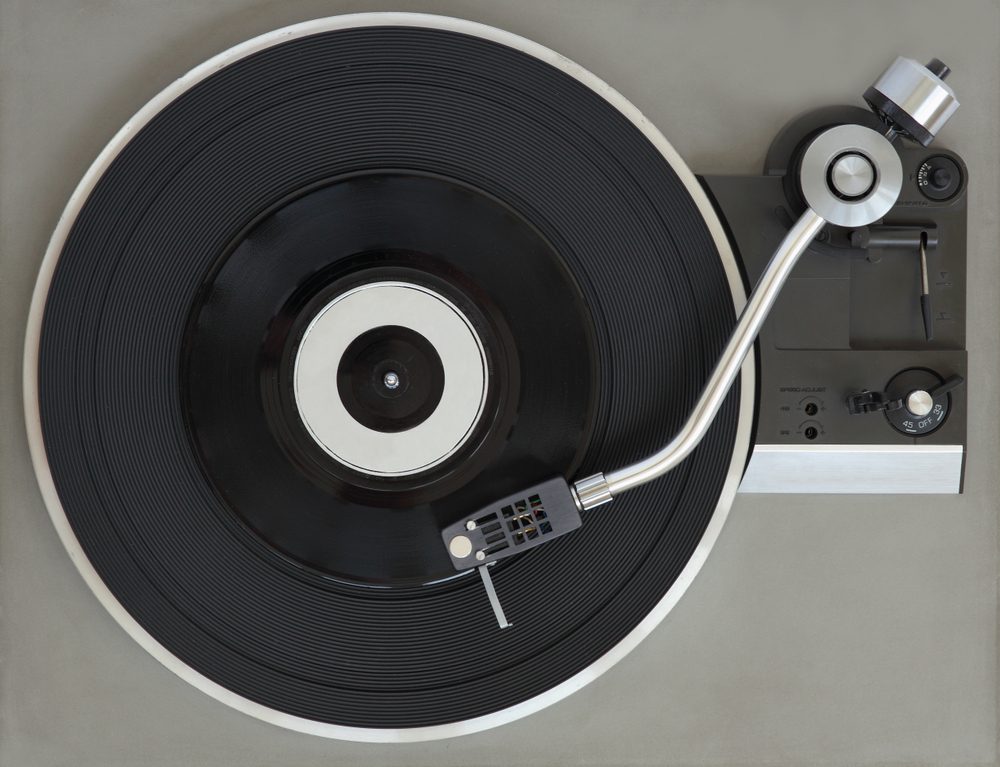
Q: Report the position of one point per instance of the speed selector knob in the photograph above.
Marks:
(916, 401)
(919, 403)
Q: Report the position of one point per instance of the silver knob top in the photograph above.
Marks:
(852, 175)
(830, 148)
(920, 403)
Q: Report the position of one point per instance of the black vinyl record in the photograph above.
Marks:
(288, 175)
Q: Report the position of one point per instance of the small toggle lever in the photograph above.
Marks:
(872, 402)
(913, 238)
(925, 291)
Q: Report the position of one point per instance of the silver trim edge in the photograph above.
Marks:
(854, 469)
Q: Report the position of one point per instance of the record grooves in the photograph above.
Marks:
(293, 121)
(322, 244)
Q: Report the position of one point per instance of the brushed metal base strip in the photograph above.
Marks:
(864, 469)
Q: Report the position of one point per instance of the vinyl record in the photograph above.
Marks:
(326, 294)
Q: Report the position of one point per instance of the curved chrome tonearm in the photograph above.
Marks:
(850, 176)
(601, 488)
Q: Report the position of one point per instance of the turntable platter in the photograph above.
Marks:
(232, 248)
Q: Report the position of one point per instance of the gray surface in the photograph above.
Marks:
(824, 630)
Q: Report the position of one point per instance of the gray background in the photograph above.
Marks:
(823, 630)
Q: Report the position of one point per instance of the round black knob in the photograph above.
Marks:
(924, 405)
(939, 178)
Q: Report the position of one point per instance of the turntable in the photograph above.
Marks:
(389, 376)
